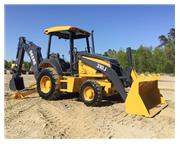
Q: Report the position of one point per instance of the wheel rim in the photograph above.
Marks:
(88, 93)
(45, 84)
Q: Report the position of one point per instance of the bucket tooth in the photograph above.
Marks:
(144, 97)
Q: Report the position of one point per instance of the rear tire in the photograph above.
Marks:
(91, 93)
(48, 85)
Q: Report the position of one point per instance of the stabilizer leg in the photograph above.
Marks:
(25, 92)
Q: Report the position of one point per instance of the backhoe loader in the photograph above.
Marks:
(92, 76)
(14, 65)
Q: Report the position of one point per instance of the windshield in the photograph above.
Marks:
(80, 45)
(62, 46)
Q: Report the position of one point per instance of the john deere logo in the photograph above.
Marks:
(101, 67)
(32, 57)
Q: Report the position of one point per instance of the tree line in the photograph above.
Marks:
(160, 59)
(7, 64)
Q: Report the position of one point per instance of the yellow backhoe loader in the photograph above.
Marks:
(14, 66)
(91, 75)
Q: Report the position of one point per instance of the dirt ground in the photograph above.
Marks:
(33, 117)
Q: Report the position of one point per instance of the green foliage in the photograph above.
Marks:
(160, 59)
(110, 53)
(143, 59)
(7, 64)
(122, 58)
(25, 64)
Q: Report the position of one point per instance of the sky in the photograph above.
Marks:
(115, 26)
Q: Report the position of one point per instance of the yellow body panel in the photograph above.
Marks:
(107, 85)
(73, 83)
(13, 65)
(144, 97)
(87, 71)
(23, 67)
(65, 28)
(106, 63)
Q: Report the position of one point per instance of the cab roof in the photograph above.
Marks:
(64, 32)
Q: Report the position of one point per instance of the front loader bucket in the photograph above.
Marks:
(16, 83)
(144, 97)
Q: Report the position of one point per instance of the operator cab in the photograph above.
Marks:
(71, 34)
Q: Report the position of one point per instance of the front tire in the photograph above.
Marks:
(48, 85)
(91, 93)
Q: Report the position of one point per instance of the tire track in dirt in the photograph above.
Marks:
(14, 111)
(83, 120)
(11, 102)
(94, 125)
(24, 124)
(58, 122)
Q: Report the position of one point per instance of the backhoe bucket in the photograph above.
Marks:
(16, 83)
(144, 97)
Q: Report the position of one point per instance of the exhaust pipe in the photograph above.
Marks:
(92, 40)
(129, 56)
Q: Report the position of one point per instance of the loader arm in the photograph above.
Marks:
(34, 52)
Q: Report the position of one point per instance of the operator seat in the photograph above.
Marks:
(65, 65)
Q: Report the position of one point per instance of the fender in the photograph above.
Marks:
(110, 74)
(52, 62)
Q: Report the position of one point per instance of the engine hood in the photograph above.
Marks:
(112, 61)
